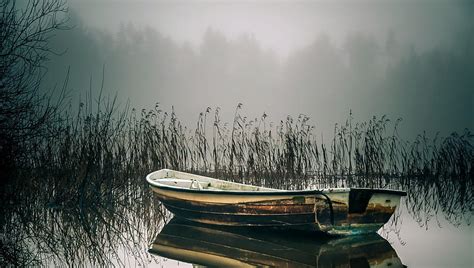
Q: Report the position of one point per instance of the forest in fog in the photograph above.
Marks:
(429, 86)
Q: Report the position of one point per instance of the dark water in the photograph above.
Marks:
(431, 228)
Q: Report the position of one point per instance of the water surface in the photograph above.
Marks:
(120, 228)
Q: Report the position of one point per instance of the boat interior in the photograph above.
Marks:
(191, 181)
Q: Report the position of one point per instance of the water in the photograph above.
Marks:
(437, 243)
(119, 228)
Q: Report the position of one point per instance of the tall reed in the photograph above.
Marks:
(87, 178)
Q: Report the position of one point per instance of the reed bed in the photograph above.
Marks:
(260, 150)
(95, 154)
(78, 196)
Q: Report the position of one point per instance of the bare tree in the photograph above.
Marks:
(25, 31)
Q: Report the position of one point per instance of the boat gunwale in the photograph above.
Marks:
(273, 192)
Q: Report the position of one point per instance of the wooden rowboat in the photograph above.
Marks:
(224, 246)
(335, 211)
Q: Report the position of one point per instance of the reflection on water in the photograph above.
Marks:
(118, 225)
(233, 246)
(106, 226)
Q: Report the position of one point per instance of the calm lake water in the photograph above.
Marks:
(437, 244)
(131, 228)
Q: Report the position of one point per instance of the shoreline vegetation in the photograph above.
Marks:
(87, 177)
(90, 150)
(368, 153)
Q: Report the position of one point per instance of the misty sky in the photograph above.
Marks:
(410, 59)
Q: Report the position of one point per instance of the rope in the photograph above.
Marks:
(328, 200)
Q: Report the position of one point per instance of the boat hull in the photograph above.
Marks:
(336, 211)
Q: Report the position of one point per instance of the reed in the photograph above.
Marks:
(91, 150)
(86, 179)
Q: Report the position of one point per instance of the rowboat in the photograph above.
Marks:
(224, 246)
(338, 211)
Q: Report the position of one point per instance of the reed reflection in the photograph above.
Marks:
(117, 225)
(108, 226)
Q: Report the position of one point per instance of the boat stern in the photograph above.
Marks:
(361, 211)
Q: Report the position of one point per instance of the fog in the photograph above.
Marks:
(409, 59)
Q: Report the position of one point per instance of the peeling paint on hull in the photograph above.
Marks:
(335, 211)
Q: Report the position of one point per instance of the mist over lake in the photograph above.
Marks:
(337, 104)
(321, 59)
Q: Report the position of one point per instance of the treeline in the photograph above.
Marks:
(370, 74)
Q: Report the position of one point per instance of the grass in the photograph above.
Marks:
(79, 196)
(96, 151)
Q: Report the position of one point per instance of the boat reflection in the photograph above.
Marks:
(209, 245)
